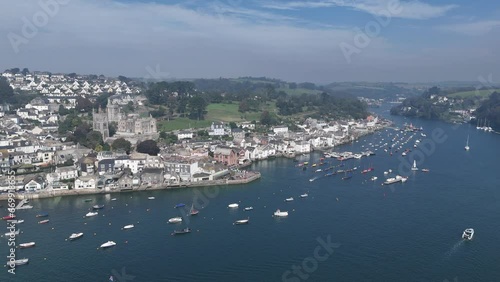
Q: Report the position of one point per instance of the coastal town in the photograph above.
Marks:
(47, 164)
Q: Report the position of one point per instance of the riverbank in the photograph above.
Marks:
(247, 177)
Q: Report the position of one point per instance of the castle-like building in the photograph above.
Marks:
(131, 124)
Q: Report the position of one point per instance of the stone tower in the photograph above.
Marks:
(100, 123)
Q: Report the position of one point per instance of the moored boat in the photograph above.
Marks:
(233, 205)
(151, 198)
(242, 221)
(175, 220)
(8, 217)
(75, 236)
(305, 195)
(289, 199)
(43, 221)
(90, 214)
(27, 245)
(108, 244)
(42, 214)
(18, 262)
(15, 221)
(130, 226)
(425, 170)
(98, 207)
(279, 213)
(179, 205)
(193, 211)
(87, 200)
(248, 208)
(182, 231)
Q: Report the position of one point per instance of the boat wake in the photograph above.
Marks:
(454, 249)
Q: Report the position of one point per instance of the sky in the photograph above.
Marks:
(319, 41)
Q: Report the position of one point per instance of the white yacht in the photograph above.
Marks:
(19, 262)
(90, 214)
(233, 206)
(175, 220)
(75, 236)
(128, 226)
(241, 221)
(468, 234)
(279, 213)
(26, 245)
(108, 244)
(289, 199)
(248, 208)
(151, 198)
(305, 195)
(467, 144)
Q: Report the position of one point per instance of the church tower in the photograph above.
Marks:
(100, 123)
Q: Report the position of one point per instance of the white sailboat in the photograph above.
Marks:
(467, 144)
(414, 167)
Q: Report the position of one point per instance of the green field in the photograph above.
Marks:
(470, 94)
(216, 112)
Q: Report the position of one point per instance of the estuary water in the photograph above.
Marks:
(345, 230)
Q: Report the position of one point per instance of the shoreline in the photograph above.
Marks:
(51, 194)
(254, 175)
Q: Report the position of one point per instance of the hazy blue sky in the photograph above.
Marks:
(292, 40)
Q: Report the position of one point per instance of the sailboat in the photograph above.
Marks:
(467, 144)
(414, 167)
(193, 211)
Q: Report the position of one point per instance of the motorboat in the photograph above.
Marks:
(130, 226)
(305, 195)
(404, 179)
(27, 245)
(43, 221)
(241, 221)
(8, 217)
(248, 208)
(98, 207)
(16, 221)
(279, 213)
(90, 214)
(113, 199)
(468, 234)
(425, 170)
(43, 214)
(373, 178)
(175, 220)
(151, 198)
(18, 262)
(233, 206)
(289, 199)
(179, 205)
(182, 231)
(108, 244)
(75, 236)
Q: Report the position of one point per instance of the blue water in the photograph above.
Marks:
(402, 232)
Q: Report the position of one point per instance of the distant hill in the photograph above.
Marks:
(490, 111)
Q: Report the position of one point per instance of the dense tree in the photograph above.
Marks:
(83, 104)
(112, 127)
(6, 92)
(149, 147)
(102, 101)
(124, 79)
(233, 125)
(121, 144)
(25, 71)
(197, 106)
(265, 118)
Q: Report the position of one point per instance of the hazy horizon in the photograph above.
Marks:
(320, 41)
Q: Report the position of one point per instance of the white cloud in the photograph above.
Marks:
(472, 28)
(406, 9)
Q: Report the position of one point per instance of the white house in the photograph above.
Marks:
(280, 129)
(67, 172)
(217, 129)
(34, 185)
(302, 147)
(85, 182)
(184, 135)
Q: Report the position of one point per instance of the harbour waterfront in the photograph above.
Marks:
(401, 232)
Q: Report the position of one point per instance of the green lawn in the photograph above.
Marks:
(216, 112)
(470, 94)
